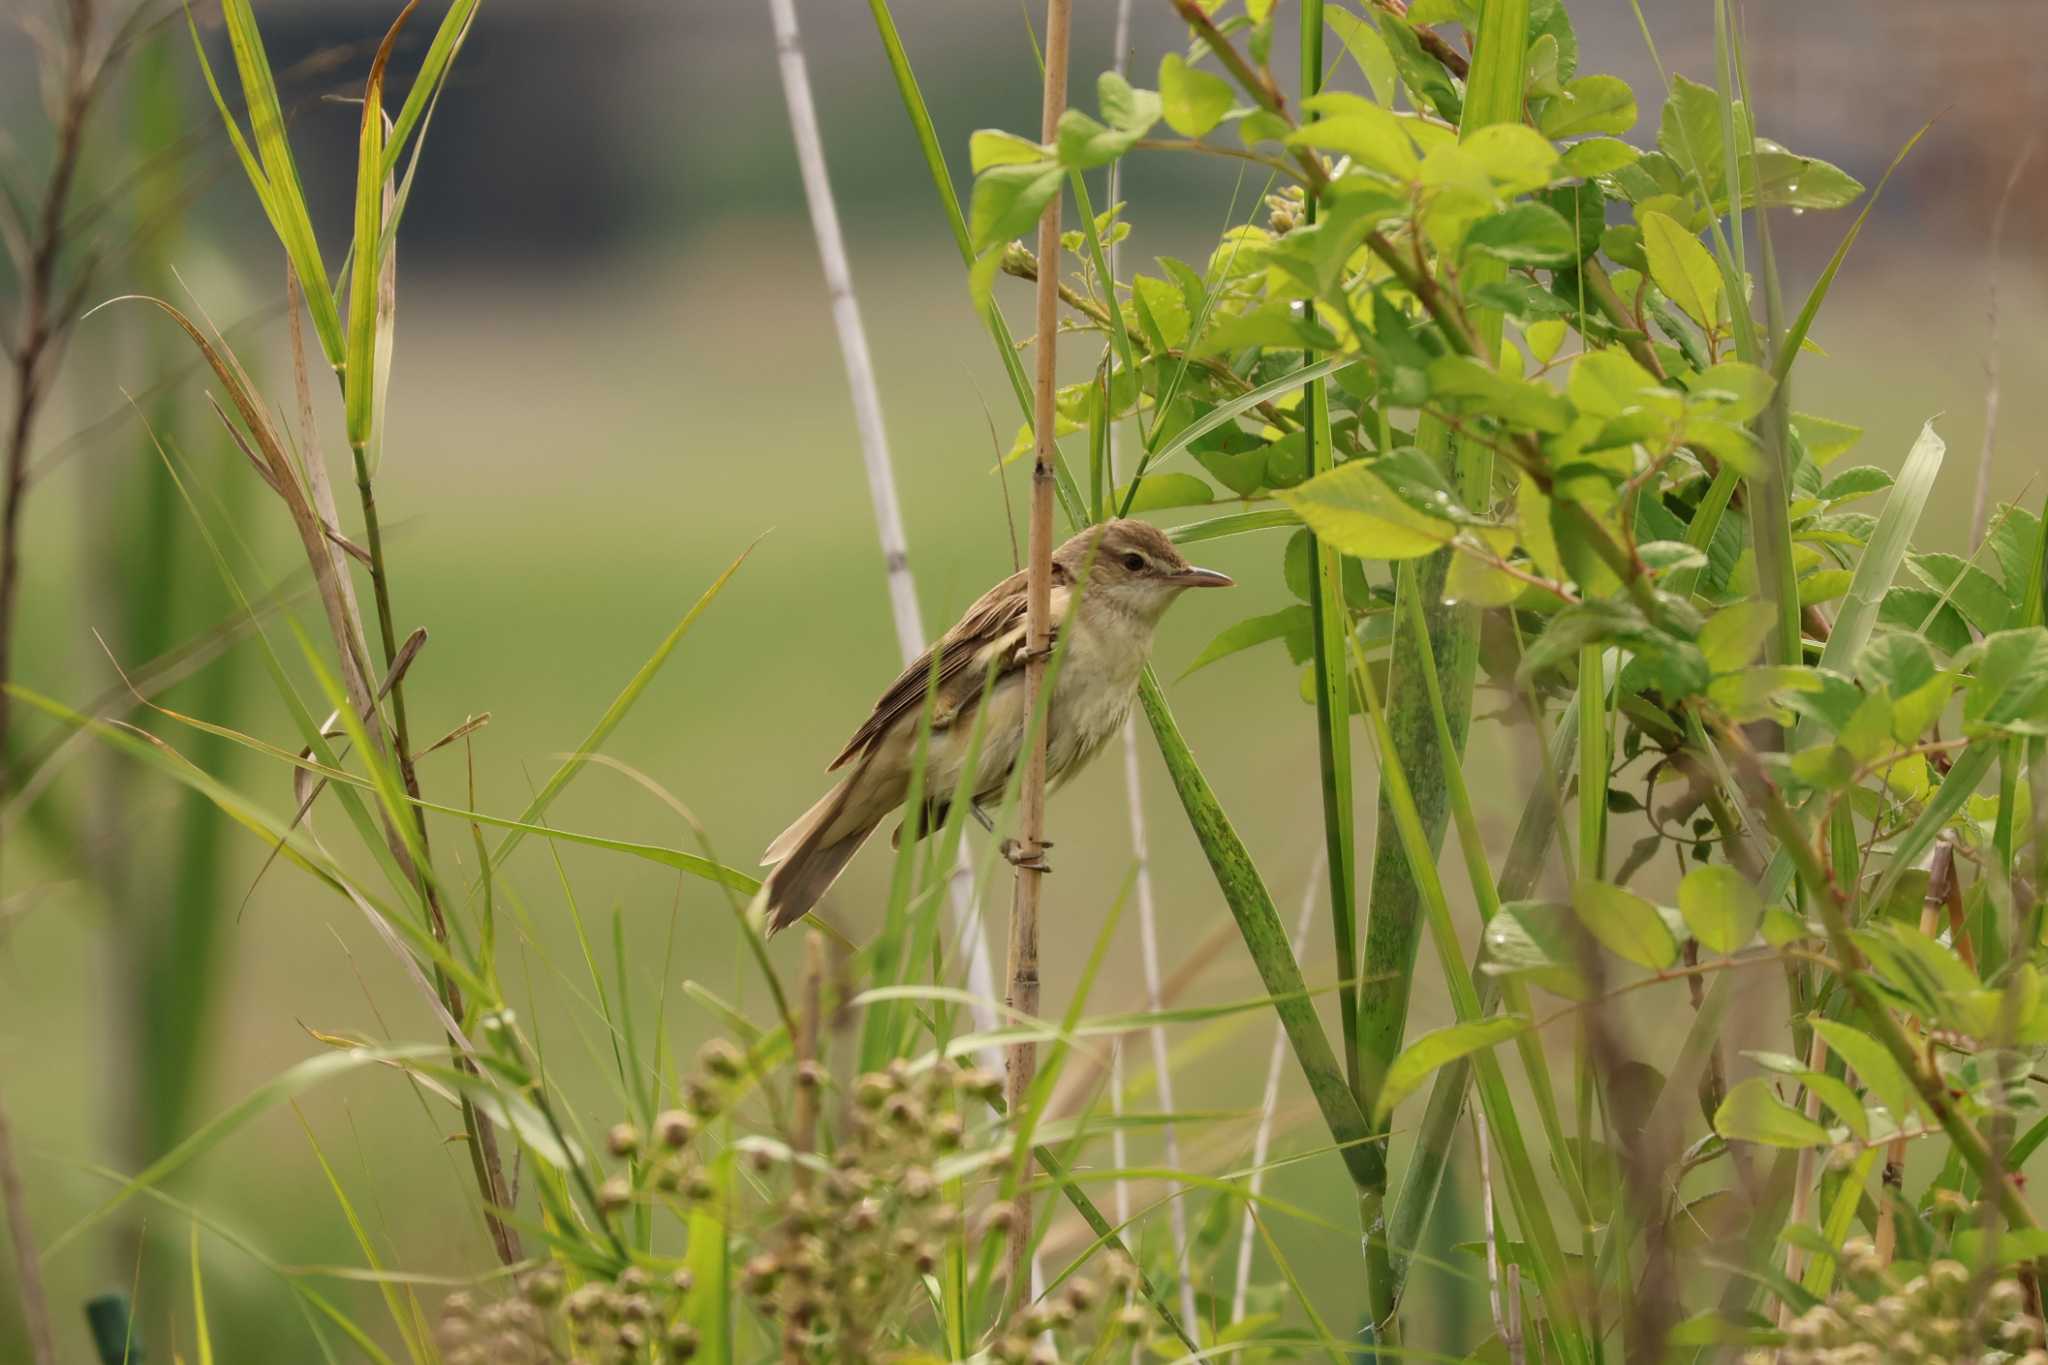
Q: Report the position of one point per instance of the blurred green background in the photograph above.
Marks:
(615, 370)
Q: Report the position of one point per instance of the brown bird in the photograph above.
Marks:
(1128, 574)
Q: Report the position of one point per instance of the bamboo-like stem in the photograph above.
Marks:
(1023, 954)
(1269, 1103)
(874, 449)
(1803, 1180)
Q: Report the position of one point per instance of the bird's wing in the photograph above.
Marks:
(990, 633)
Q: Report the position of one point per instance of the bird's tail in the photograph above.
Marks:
(809, 856)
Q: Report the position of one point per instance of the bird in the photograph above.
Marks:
(1111, 584)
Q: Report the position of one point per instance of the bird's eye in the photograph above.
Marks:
(1134, 562)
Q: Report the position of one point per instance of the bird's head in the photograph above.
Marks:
(1131, 565)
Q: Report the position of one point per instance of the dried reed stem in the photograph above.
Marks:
(874, 450)
(1023, 954)
(1276, 1062)
(1804, 1180)
(35, 1303)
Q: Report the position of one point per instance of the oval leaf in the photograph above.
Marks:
(1435, 1049)
(1720, 907)
(1754, 1113)
(1626, 925)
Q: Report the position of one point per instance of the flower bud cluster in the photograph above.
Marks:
(854, 1239)
(603, 1322)
(1072, 1321)
(1941, 1316)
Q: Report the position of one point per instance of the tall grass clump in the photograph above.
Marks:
(1509, 399)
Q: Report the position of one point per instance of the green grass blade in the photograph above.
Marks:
(1795, 337)
(613, 715)
(1265, 937)
(284, 200)
(433, 72)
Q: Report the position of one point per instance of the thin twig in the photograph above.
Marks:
(1023, 954)
(874, 449)
(35, 1303)
(48, 310)
(1980, 503)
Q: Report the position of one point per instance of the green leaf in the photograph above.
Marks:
(1590, 104)
(1596, 156)
(1976, 594)
(1437, 1048)
(1165, 490)
(1733, 637)
(1525, 234)
(1008, 199)
(1626, 924)
(1368, 49)
(1873, 1065)
(1682, 268)
(1736, 390)
(994, 147)
(1194, 101)
(1127, 109)
(1720, 907)
(1608, 383)
(1536, 939)
(1355, 127)
(1857, 482)
(1291, 624)
(1352, 508)
(1752, 1112)
(1518, 402)
(1515, 156)
(1833, 1093)
(2009, 685)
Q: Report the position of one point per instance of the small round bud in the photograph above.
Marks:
(631, 1338)
(720, 1058)
(623, 1140)
(947, 1132)
(1082, 1294)
(760, 1274)
(682, 1341)
(614, 1194)
(631, 1280)
(682, 1281)
(810, 1075)
(919, 1185)
(543, 1286)
(871, 1091)
(1001, 1217)
(1131, 1320)
(674, 1128)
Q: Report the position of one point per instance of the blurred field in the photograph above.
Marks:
(581, 441)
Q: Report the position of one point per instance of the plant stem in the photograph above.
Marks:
(478, 1132)
(1023, 954)
(874, 449)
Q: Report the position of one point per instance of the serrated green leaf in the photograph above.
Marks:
(1525, 234)
(1590, 104)
(1351, 508)
(1682, 268)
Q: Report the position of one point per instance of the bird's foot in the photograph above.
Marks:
(1014, 853)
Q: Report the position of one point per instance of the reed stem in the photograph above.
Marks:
(1023, 954)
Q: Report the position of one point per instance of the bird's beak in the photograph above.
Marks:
(1203, 578)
